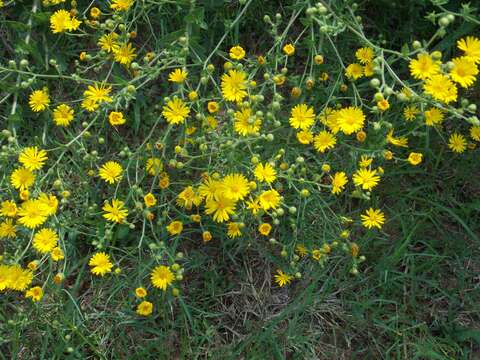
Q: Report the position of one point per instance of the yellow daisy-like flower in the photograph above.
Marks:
(161, 277)
(221, 207)
(282, 279)
(324, 141)
(474, 134)
(111, 172)
(35, 293)
(235, 186)
(108, 42)
(457, 143)
(140, 292)
(373, 218)
(401, 141)
(8, 208)
(305, 137)
(234, 230)
(188, 197)
(464, 71)
(269, 199)
(100, 264)
(115, 212)
(22, 178)
(339, 180)
(441, 88)
(121, 5)
(57, 254)
(149, 200)
(246, 123)
(368, 70)
(470, 47)
(175, 227)
(177, 76)
(32, 213)
(19, 279)
(32, 158)
(366, 178)
(62, 21)
(124, 54)
(175, 111)
(210, 188)
(8, 229)
(234, 85)
(265, 173)
(154, 166)
(302, 117)
(116, 118)
(45, 240)
(433, 116)
(289, 49)
(62, 115)
(49, 202)
(237, 53)
(350, 119)
(424, 67)
(364, 55)
(264, 229)
(354, 71)
(145, 308)
(98, 93)
(410, 112)
(38, 100)
(415, 158)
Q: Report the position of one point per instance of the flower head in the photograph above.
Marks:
(237, 53)
(470, 47)
(373, 218)
(464, 71)
(145, 308)
(38, 100)
(350, 119)
(366, 178)
(265, 173)
(324, 140)
(175, 111)
(234, 85)
(32, 158)
(111, 172)
(115, 212)
(161, 277)
(35, 293)
(22, 178)
(100, 264)
(424, 67)
(45, 240)
(441, 88)
(282, 278)
(177, 76)
(457, 143)
(302, 117)
(62, 115)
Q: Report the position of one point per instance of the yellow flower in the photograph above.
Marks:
(415, 158)
(365, 161)
(350, 119)
(188, 197)
(22, 178)
(116, 118)
(94, 95)
(234, 85)
(38, 100)
(149, 200)
(212, 107)
(49, 203)
(45, 240)
(234, 230)
(474, 134)
(62, 115)
(301, 250)
(265, 229)
(246, 123)
(302, 117)
(373, 218)
(161, 277)
(154, 166)
(57, 254)
(175, 111)
(210, 188)
(62, 21)
(8, 229)
(35, 293)
(108, 42)
(237, 53)
(32, 158)
(441, 88)
(95, 12)
(364, 55)
(433, 116)
(383, 104)
(324, 141)
(269, 199)
(366, 178)
(265, 173)
(111, 172)
(141, 292)
(339, 180)
(8, 208)
(410, 112)
(100, 264)
(206, 236)
(282, 279)
(32, 213)
(289, 49)
(457, 143)
(115, 212)
(464, 71)
(177, 76)
(368, 70)
(145, 308)
(124, 54)
(401, 141)
(235, 186)
(470, 47)
(305, 137)
(354, 71)
(175, 227)
(221, 207)
(121, 5)
(424, 67)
